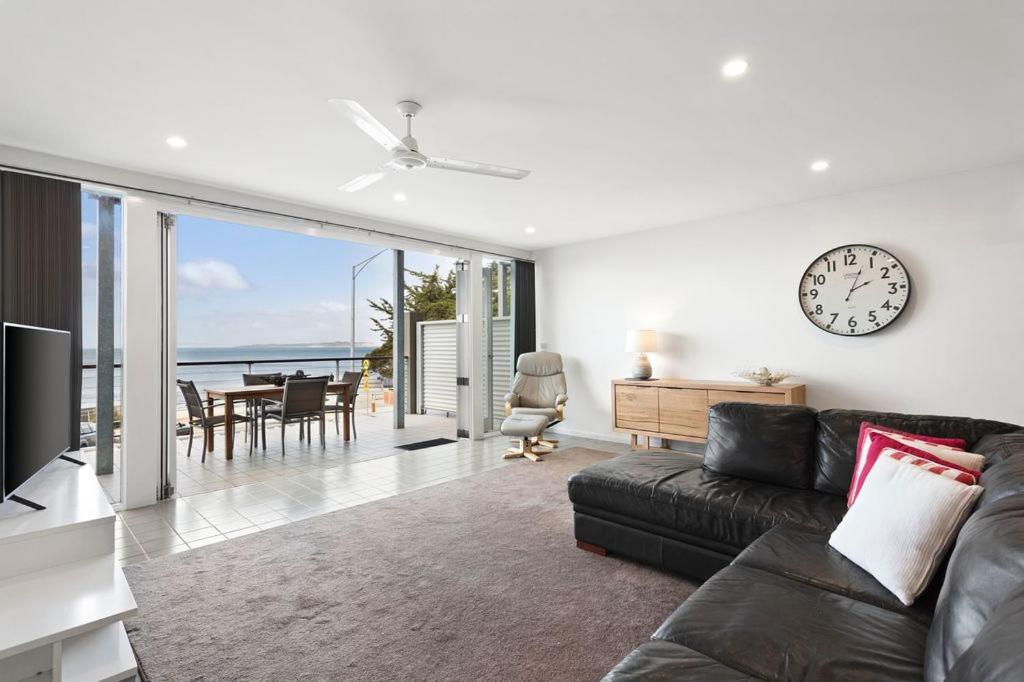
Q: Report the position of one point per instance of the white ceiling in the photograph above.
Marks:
(617, 107)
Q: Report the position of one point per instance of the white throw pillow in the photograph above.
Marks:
(902, 524)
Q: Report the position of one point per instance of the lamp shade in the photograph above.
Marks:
(641, 341)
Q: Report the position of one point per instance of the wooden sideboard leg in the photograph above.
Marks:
(633, 441)
(586, 546)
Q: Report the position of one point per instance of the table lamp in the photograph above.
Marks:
(641, 342)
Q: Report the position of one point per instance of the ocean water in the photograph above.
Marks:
(234, 361)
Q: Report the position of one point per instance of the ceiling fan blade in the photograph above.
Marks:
(365, 121)
(363, 181)
(479, 168)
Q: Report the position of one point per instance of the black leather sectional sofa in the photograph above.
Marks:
(753, 518)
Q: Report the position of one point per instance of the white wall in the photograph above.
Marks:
(723, 294)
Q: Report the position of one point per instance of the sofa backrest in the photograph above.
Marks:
(996, 654)
(838, 430)
(982, 594)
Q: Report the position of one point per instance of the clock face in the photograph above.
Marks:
(854, 290)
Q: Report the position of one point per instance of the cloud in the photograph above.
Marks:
(327, 307)
(210, 273)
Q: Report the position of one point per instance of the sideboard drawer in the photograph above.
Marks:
(746, 397)
(636, 407)
(683, 411)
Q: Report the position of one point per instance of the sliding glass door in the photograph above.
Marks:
(497, 340)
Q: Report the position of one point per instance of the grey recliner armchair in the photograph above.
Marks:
(538, 390)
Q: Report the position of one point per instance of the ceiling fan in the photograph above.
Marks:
(405, 153)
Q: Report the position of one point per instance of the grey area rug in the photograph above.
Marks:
(476, 579)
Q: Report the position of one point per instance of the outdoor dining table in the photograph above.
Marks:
(231, 395)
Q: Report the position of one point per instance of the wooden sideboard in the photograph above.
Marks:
(677, 409)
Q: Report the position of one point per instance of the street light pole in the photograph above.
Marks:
(356, 270)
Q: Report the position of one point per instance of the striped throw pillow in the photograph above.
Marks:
(964, 477)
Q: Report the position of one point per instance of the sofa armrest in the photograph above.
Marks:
(511, 400)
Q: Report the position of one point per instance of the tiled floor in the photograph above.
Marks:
(220, 500)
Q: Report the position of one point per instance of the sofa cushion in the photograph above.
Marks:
(997, 447)
(838, 430)
(635, 475)
(720, 512)
(986, 565)
(996, 654)
(806, 557)
(766, 443)
(772, 627)
(661, 660)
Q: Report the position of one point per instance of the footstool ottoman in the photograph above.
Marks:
(527, 428)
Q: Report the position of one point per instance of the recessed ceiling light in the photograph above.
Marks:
(820, 166)
(530, 229)
(399, 197)
(734, 68)
(177, 142)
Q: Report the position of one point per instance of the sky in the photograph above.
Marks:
(240, 285)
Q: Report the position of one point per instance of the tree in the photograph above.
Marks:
(433, 297)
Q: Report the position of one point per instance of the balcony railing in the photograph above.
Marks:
(226, 373)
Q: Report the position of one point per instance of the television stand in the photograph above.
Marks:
(72, 460)
(27, 503)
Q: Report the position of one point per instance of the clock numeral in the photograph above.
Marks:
(887, 305)
(893, 287)
(872, 317)
(885, 272)
(834, 317)
(852, 322)
(871, 262)
(849, 259)
(819, 280)
(818, 309)
(830, 266)
(813, 293)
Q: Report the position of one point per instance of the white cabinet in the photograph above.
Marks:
(63, 596)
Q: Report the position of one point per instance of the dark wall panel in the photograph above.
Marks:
(41, 265)
(524, 307)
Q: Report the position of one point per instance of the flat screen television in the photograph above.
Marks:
(36, 399)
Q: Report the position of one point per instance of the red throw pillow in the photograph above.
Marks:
(876, 442)
(956, 443)
(867, 428)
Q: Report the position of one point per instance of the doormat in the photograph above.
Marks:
(433, 442)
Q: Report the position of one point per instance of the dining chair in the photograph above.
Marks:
(302, 402)
(198, 415)
(352, 379)
(252, 404)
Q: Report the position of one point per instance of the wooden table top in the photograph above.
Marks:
(263, 390)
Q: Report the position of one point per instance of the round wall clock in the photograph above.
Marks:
(854, 290)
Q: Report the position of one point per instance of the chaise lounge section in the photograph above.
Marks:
(754, 519)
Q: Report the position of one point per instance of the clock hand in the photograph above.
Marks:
(862, 284)
(854, 285)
